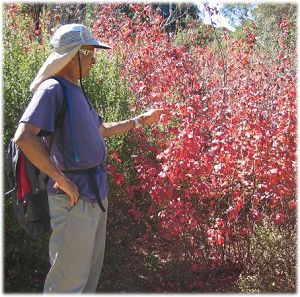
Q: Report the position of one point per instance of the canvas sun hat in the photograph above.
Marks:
(66, 42)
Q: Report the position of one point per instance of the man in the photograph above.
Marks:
(75, 163)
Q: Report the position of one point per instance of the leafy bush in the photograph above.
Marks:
(225, 158)
(26, 262)
(23, 56)
(273, 261)
(271, 36)
(196, 34)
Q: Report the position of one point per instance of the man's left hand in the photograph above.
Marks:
(151, 116)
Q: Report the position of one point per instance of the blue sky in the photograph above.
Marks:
(218, 19)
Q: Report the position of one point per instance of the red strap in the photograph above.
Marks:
(24, 186)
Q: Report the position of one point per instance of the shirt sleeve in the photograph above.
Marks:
(44, 107)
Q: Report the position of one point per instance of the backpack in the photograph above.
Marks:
(27, 184)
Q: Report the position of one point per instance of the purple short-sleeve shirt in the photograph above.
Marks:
(78, 136)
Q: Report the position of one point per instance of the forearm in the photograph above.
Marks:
(37, 153)
(115, 128)
(149, 117)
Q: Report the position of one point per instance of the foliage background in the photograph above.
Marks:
(140, 255)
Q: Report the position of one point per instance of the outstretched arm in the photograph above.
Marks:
(149, 117)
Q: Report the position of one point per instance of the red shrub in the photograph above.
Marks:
(224, 157)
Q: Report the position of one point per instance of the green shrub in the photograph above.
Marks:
(22, 59)
(26, 261)
(273, 265)
(200, 34)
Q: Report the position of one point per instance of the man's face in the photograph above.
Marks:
(87, 59)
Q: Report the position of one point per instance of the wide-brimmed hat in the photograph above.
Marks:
(66, 42)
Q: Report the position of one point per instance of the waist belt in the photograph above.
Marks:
(92, 174)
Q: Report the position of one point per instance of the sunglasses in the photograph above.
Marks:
(86, 52)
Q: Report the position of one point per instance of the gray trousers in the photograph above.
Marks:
(76, 245)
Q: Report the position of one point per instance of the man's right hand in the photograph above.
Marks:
(69, 188)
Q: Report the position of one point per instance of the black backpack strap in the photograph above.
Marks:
(61, 115)
(62, 112)
(92, 174)
(66, 107)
